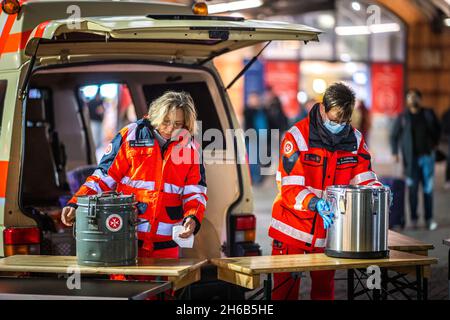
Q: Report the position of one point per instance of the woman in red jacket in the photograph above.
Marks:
(157, 160)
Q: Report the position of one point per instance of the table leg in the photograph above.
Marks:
(384, 283)
(350, 284)
(419, 280)
(188, 292)
(268, 287)
(425, 288)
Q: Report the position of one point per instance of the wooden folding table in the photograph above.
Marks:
(246, 271)
(179, 272)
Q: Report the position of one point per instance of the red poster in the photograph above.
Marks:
(387, 88)
(283, 77)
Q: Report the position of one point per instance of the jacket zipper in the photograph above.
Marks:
(324, 175)
(158, 189)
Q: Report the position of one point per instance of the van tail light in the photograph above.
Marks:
(22, 241)
(244, 227)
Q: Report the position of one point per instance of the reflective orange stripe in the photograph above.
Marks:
(16, 42)
(6, 30)
(3, 177)
(40, 29)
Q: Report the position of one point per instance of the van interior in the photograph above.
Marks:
(58, 144)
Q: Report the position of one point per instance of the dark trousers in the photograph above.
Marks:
(422, 173)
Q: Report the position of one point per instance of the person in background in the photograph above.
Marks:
(318, 151)
(275, 114)
(277, 120)
(416, 133)
(303, 112)
(446, 131)
(255, 118)
(361, 118)
(96, 113)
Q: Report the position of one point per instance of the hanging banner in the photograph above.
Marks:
(387, 88)
(283, 77)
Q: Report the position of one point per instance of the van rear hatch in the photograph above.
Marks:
(166, 36)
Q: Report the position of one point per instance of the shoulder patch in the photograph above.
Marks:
(288, 148)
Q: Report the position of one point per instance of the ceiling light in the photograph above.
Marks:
(356, 6)
(234, 6)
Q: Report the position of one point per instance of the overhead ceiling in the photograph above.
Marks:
(409, 10)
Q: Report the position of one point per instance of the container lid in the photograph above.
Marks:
(106, 198)
(356, 188)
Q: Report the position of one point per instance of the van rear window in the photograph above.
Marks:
(2, 99)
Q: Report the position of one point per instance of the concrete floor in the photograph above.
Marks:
(438, 284)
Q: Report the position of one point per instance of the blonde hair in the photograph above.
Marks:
(168, 103)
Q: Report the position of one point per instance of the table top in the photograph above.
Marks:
(401, 242)
(446, 242)
(316, 261)
(61, 264)
(53, 288)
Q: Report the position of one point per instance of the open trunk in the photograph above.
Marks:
(58, 146)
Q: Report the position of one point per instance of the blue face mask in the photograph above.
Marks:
(334, 127)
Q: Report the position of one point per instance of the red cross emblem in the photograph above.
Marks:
(288, 147)
(114, 223)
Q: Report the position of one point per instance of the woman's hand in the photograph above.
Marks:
(189, 227)
(68, 216)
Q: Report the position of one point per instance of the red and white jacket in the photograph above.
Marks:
(303, 175)
(169, 183)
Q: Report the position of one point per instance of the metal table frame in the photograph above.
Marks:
(398, 281)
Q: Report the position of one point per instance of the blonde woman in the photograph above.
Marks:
(143, 160)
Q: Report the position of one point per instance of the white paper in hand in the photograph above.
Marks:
(182, 242)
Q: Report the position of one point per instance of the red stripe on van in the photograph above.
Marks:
(40, 29)
(18, 41)
(6, 30)
(3, 177)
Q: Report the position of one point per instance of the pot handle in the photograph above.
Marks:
(375, 201)
(338, 202)
(342, 202)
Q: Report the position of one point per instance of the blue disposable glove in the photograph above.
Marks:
(323, 207)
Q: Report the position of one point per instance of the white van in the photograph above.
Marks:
(150, 48)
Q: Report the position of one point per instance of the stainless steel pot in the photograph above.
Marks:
(361, 221)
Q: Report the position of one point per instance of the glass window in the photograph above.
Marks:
(322, 50)
(368, 32)
(110, 108)
(388, 45)
(352, 33)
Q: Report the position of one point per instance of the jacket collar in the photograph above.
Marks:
(320, 137)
